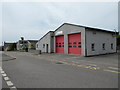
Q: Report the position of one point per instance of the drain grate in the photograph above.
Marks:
(59, 63)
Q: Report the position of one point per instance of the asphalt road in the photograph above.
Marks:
(32, 71)
(7, 57)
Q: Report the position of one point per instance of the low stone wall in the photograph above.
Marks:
(35, 51)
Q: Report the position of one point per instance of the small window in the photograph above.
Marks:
(25, 42)
(59, 45)
(37, 45)
(43, 45)
(94, 33)
(93, 47)
(111, 45)
(69, 43)
(103, 46)
(79, 42)
(63, 43)
(70, 46)
(74, 46)
(56, 43)
(79, 46)
(74, 43)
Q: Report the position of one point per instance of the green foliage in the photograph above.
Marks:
(118, 40)
(32, 46)
(26, 45)
(118, 36)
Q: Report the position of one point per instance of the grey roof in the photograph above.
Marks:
(29, 40)
(85, 27)
(80, 26)
(33, 41)
(9, 42)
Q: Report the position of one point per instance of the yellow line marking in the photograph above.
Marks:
(77, 65)
(111, 71)
(73, 64)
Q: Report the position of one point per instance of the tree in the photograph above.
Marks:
(22, 38)
(118, 41)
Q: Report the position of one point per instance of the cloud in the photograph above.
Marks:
(32, 20)
(0, 23)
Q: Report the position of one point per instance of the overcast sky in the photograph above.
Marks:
(33, 19)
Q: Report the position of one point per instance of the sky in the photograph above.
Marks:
(32, 20)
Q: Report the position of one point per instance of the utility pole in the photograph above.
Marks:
(115, 32)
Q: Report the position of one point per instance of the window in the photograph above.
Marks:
(63, 43)
(79, 42)
(74, 46)
(69, 43)
(25, 42)
(56, 43)
(43, 45)
(74, 43)
(94, 33)
(59, 43)
(103, 46)
(111, 45)
(70, 46)
(79, 46)
(93, 47)
(36, 45)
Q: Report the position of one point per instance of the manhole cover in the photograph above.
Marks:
(59, 63)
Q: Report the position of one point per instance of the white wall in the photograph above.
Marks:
(45, 40)
(99, 38)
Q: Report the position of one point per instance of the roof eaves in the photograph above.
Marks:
(45, 35)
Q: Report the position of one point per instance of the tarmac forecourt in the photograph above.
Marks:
(91, 67)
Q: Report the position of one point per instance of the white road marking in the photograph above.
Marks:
(13, 87)
(6, 78)
(4, 75)
(113, 68)
(9, 83)
(2, 72)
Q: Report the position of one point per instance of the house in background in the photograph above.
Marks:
(9, 46)
(1, 48)
(30, 44)
(78, 40)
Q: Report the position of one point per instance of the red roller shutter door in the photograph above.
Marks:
(74, 44)
(60, 44)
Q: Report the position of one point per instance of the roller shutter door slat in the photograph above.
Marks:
(60, 44)
(74, 44)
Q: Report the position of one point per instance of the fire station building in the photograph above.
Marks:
(78, 40)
